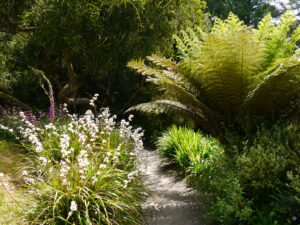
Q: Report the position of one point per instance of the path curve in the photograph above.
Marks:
(170, 202)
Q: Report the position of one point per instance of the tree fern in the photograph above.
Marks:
(276, 39)
(228, 73)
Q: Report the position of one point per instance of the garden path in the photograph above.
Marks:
(170, 201)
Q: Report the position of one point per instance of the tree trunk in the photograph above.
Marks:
(11, 101)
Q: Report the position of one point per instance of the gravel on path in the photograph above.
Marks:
(170, 202)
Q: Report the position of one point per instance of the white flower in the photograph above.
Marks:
(102, 166)
(24, 173)
(125, 183)
(43, 160)
(130, 117)
(73, 206)
(1, 174)
(106, 160)
(94, 179)
(83, 162)
(30, 180)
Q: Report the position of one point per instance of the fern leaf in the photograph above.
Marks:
(162, 62)
(141, 68)
(274, 92)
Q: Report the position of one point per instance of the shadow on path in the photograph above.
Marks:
(170, 202)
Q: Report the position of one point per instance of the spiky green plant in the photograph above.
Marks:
(232, 72)
(191, 150)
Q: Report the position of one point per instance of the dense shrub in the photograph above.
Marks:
(206, 167)
(83, 171)
(258, 184)
(263, 167)
(268, 169)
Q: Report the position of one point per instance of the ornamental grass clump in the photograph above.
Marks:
(83, 171)
(191, 150)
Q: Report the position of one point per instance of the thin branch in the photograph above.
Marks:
(52, 62)
(78, 101)
(16, 24)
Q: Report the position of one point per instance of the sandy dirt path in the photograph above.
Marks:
(170, 202)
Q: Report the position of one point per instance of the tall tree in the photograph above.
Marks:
(82, 45)
(250, 11)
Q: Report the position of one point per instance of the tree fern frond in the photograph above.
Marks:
(188, 42)
(179, 94)
(181, 46)
(275, 90)
(162, 76)
(161, 106)
(163, 62)
(169, 78)
(177, 108)
(141, 68)
(275, 37)
(296, 35)
(227, 73)
(265, 28)
(229, 27)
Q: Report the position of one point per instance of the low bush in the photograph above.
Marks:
(206, 167)
(269, 169)
(258, 183)
(83, 171)
(263, 167)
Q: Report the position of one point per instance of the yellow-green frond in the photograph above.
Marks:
(141, 68)
(161, 106)
(162, 62)
(229, 27)
(275, 37)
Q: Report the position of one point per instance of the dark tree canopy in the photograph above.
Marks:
(250, 11)
(84, 45)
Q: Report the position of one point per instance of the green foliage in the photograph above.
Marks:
(84, 46)
(263, 167)
(203, 160)
(294, 183)
(16, 76)
(250, 12)
(228, 74)
(257, 184)
(81, 171)
(262, 219)
(12, 158)
(192, 151)
(232, 208)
